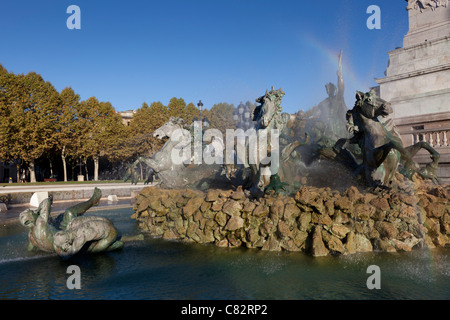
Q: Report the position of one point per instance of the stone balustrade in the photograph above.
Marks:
(437, 138)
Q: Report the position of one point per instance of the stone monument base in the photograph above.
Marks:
(417, 81)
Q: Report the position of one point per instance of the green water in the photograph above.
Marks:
(158, 269)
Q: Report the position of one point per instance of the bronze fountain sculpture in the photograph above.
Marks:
(70, 232)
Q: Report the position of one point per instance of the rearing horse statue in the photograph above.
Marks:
(161, 163)
(173, 174)
(268, 116)
(380, 143)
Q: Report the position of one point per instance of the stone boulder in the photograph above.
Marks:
(317, 221)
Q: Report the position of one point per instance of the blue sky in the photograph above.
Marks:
(128, 52)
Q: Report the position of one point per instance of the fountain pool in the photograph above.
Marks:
(158, 269)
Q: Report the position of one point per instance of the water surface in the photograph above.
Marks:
(159, 269)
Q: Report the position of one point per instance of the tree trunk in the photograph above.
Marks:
(86, 169)
(63, 157)
(51, 168)
(96, 164)
(73, 168)
(18, 172)
(32, 171)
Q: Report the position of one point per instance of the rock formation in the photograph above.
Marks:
(317, 221)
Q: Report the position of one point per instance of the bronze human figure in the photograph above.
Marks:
(70, 231)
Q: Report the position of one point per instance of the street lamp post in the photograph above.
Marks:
(205, 122)
(235, 116)
(80, 176)
(241, 116)
(241, 109)
(200, 107)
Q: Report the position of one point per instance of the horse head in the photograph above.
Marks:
(269, 108)
(168, 128)
(371, 106)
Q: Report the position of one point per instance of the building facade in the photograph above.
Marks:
(417, 81)
(127, 116)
